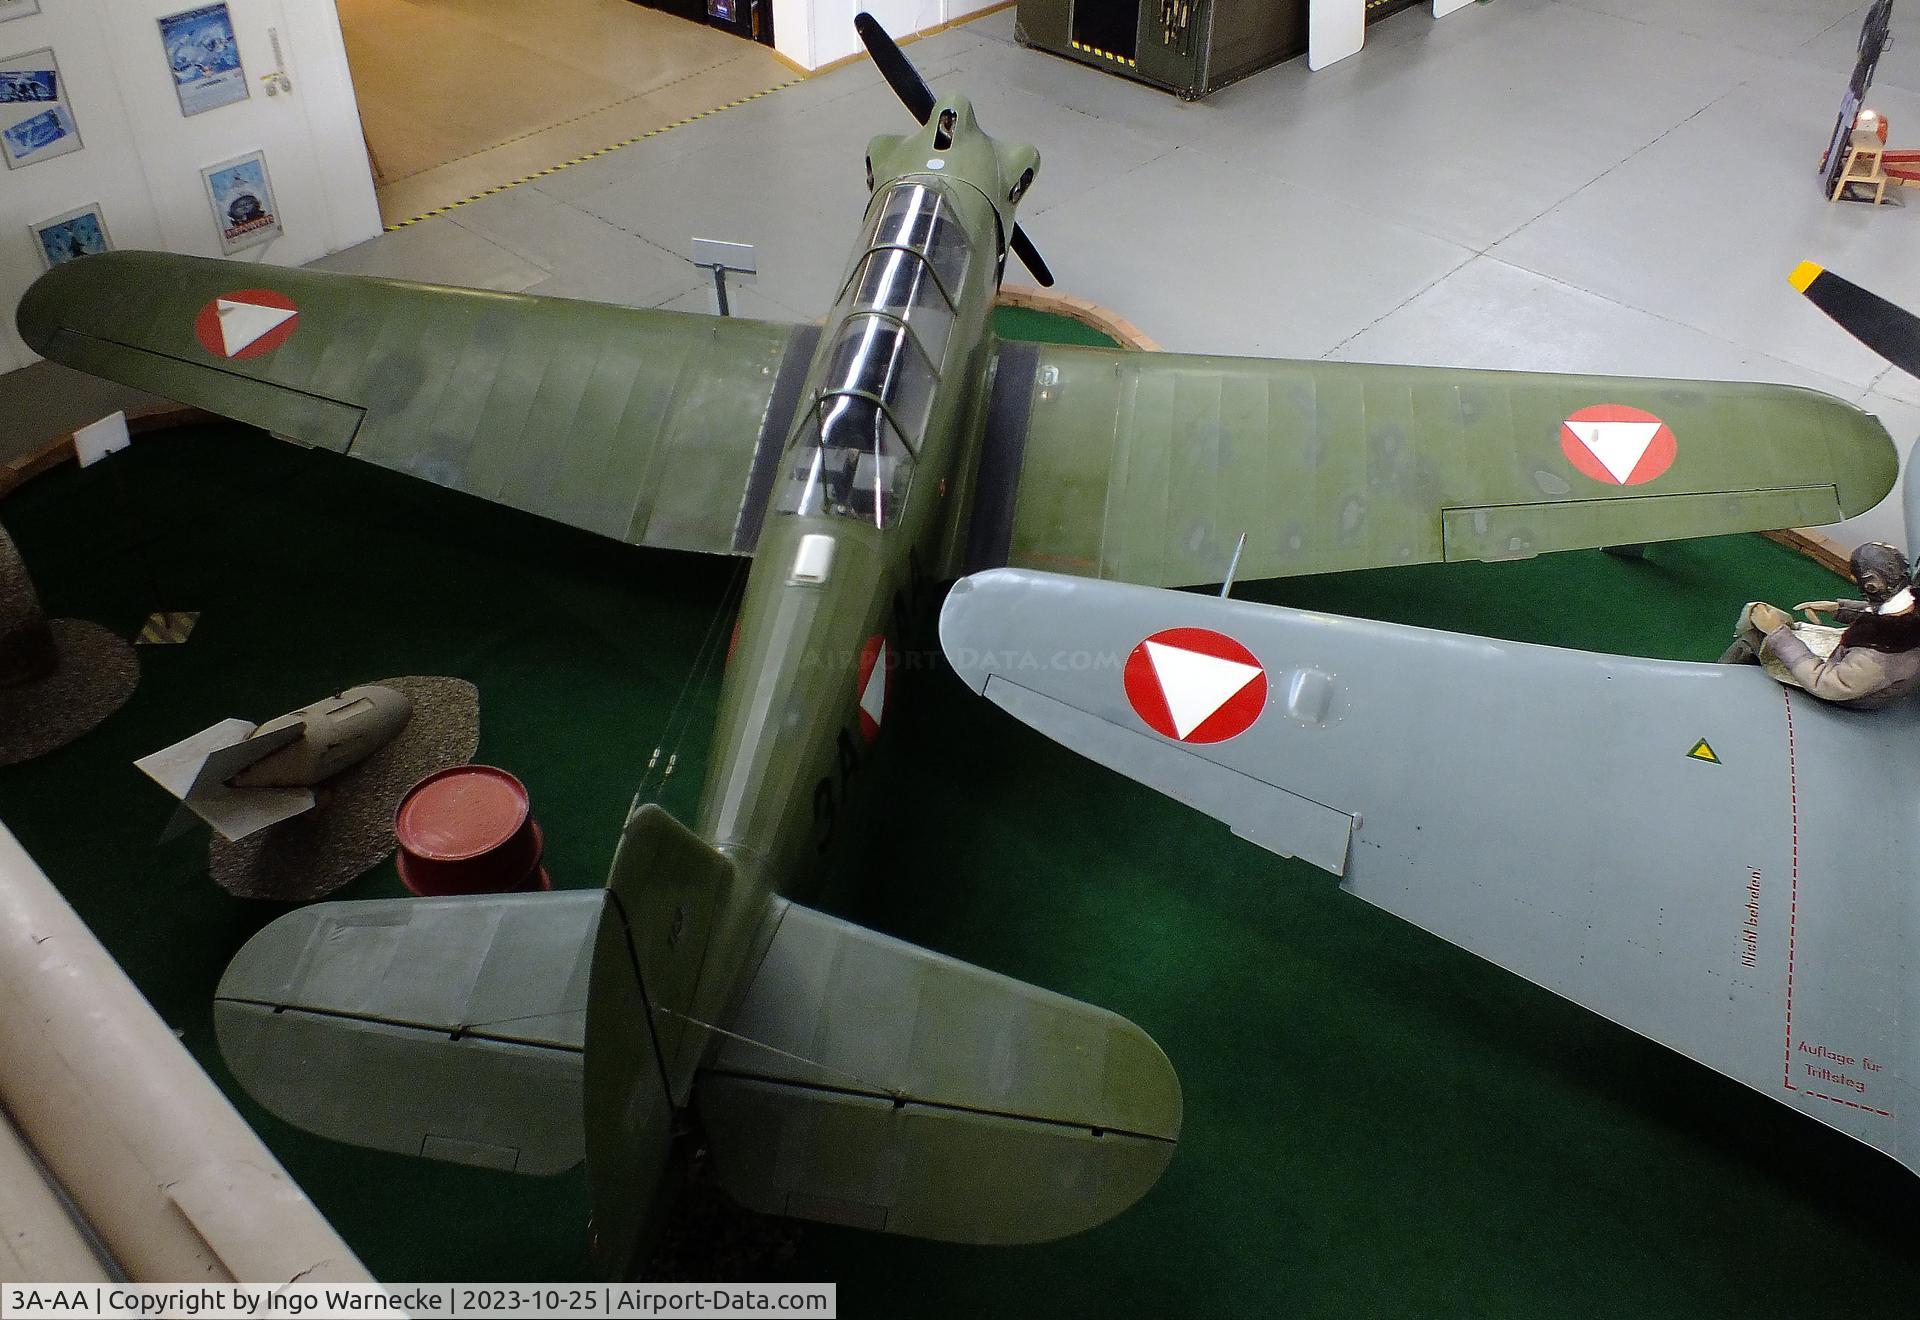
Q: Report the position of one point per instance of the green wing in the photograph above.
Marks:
(646, 426)
(1147, 467)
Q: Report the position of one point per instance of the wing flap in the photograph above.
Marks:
(445, 1028)
(1260, 812)
(868, 1081)
(1516, 531)
(1148, 467)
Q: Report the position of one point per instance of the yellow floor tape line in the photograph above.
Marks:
(591, 155)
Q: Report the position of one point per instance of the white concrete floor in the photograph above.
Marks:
(1615, 186)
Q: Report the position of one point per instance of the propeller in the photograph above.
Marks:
(1029, 255)
(899, 72)
(1889, 330)
(914, 93)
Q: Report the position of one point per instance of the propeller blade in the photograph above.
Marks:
(914, 93)
(899, 72)
(1889, 330)
(1029, 255)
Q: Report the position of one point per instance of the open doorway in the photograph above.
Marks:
(1111, 28)
(458, 96)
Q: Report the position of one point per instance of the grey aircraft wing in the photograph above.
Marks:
(1708, 858)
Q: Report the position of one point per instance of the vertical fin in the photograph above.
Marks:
(664, 890)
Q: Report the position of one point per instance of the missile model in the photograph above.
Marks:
(240, 778)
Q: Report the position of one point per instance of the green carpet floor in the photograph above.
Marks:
(1377, 1124)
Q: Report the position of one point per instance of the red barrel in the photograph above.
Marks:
(468, 829)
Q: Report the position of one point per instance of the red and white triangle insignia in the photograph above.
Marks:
(873, 686)
(1195, 685)
(1616, 444)
(246, 323)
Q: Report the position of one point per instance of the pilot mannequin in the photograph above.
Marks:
(1875, 661)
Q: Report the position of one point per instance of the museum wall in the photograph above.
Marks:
(140, 158)
(812, 33)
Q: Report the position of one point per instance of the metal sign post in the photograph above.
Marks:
(720, 257)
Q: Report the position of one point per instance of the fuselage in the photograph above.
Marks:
(867, 509)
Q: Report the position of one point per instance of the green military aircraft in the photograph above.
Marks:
(836, 1074)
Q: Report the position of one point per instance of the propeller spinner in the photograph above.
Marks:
(914, 93)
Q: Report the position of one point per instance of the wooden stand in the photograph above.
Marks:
(1865, 168)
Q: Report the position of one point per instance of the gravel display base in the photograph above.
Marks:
(96, 674)
(351, 829)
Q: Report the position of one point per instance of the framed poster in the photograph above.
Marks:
(68, 237)
(204, 58)
(241, 195)
(35, 123)
(18, 8)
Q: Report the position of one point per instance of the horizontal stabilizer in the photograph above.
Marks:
(449, 1028)
(196, 770)
(869, 1082)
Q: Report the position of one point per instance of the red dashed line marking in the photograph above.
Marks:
(1838, 1101)
(1793, 897)
(1793, 917)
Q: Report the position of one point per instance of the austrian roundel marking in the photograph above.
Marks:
(1195, 685)
(874, 664)
(1617, 445)
(246, 323)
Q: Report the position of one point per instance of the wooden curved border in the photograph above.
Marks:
(17, 472)
(1108, 323)
(1817, 546)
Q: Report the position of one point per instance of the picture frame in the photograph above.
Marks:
(36, 122)
(11, 9)
(30, 86)
(81, 232)
(240, 193)
(204, 58)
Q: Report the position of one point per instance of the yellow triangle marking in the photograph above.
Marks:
(1702, 752)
